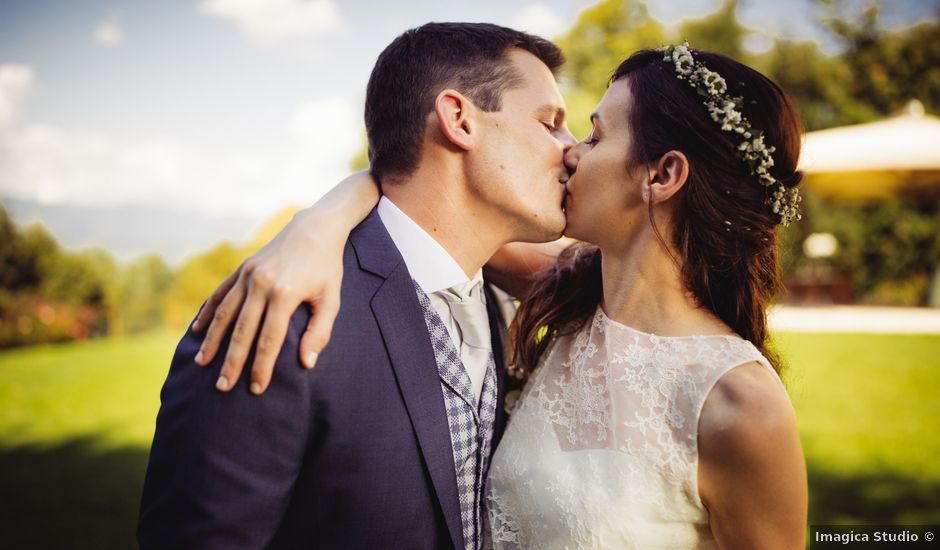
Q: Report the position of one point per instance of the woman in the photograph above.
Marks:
(655, 418)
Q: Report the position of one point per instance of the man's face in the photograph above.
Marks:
(519, 168)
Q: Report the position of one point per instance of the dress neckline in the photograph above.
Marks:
(627, 328)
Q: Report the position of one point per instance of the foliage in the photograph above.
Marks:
(889, 248)
(48, 294)
(196, 279)
(145, 284)
(719, 31)
(604, 35)
(887, 69)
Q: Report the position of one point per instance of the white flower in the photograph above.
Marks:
(724, 111)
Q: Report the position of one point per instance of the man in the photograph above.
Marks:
(386, 442)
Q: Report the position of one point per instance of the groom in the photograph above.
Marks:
(386, 442)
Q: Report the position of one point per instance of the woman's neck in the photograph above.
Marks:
(643, 288)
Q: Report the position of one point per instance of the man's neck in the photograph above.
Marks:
(444, 209)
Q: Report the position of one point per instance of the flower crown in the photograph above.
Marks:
(726, 110)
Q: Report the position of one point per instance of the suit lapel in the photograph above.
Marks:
(401, 322)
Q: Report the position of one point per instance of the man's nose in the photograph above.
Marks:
(566, 138)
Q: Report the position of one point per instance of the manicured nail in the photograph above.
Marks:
(200, 356)
(221, 384)
(256, 388)
(311, 359)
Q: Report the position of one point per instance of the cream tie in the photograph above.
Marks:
(469, 311)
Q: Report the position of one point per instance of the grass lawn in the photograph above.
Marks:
(77, 419)
(75, 431)
(868, 407)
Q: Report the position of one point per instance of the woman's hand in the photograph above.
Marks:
(303, 263)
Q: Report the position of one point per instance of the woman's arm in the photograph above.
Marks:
(514, 264)
(303, 263)
(752, 474)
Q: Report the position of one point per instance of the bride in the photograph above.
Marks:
(653, 415)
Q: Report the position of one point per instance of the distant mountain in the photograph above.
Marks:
(132, 230)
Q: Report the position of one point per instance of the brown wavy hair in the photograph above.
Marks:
(724, 234)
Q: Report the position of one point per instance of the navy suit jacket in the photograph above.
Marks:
(355, 453)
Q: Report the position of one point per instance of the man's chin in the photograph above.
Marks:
(545, 232)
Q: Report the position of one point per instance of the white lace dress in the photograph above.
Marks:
(602, 450)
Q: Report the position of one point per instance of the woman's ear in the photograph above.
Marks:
(456, 116)
(668, 176)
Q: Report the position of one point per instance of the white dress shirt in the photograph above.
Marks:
(434, 269)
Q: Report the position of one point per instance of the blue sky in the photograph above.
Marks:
(235, 107)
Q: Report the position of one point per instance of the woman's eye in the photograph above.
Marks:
(592, 137)
(549, 126)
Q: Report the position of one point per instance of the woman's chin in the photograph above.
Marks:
(571, 229)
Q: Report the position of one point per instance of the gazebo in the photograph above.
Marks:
(897, 156)
(876, 159)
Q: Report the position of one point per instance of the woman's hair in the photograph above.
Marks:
(724, 233)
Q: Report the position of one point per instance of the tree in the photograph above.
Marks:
(719, 31)
(886, 69)
(604, 35)
(196, 279)
(144, 286)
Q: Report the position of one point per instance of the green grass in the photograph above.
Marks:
(107, 390)
(76, 422)
(75, 430)
(868, 407)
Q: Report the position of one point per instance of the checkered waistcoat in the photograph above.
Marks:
(471, 428)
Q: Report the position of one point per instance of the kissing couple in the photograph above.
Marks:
(389, 415)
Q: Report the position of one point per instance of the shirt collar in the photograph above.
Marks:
(429, 263)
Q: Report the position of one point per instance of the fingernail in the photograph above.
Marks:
(311, 359)
(196, 324)
(256, 388)
(221, 384)
(199, 357)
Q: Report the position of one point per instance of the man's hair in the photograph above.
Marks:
(468, 57)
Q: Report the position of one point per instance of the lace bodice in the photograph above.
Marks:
(602, 449)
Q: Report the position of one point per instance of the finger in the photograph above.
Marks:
(208, 309)
(273, 331)
(319, 328)
(221, 321)
(243, 336)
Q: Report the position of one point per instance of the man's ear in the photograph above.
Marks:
(456, 116)
(668, 176)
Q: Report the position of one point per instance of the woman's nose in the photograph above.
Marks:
(572, 156)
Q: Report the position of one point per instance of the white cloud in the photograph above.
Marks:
(326, 134)
(540, 19)
(15, 84)
(269, 21)
(108, 33)
(52, 165)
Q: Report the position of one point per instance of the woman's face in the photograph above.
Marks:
(605, 200)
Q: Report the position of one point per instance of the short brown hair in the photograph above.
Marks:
(416, 66)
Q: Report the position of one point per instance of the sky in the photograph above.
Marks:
(231, 109)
